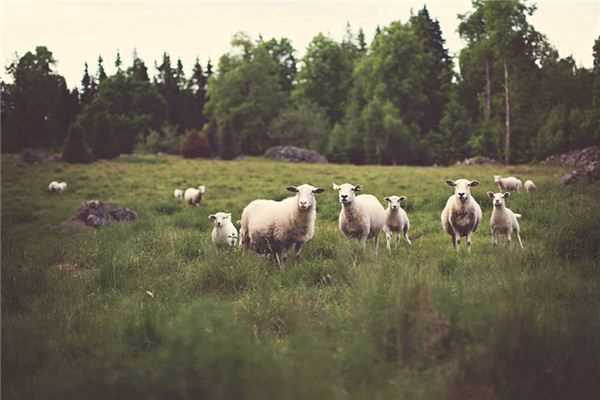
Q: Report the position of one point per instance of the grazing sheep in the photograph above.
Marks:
(462, 214)
(58, 187)
(224, 233)
(503, 221)
(361, 217)
(396, 221)
(273, 227)
(510, 184)
(193, 196)
(178, 194)
(53, 186)
(529, 186)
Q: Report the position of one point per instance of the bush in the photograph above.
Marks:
(164, 140)
(195, 145)
(76, 149)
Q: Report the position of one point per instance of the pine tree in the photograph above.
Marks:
(76, 150)
(362, 44)
(101, 74)
(88, 86)
(596, 74)
(118, 63)
(209, 69)
(180, 75)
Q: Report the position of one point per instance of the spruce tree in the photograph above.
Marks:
(101, 73)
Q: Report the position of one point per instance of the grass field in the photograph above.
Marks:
(500, 323)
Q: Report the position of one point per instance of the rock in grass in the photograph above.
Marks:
(294, 154)
(95, 213)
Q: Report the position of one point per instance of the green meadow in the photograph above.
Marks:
(151, 310)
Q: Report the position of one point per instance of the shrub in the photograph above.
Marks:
(76, 149)
(195, 145)
(165, 140)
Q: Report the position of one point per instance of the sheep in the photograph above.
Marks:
(178, 194)
(462, 214)
(224, 233)
(396, 221)
(529, 186)
(193, 196)
(361, 217)
(503, 221)
(53, 186)
(58, 187)
(511, 183)
(273, 227)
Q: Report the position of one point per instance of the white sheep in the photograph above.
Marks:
(273, 227)
(53, 186)
(224, 233)
(362, 217)
(178, 194)
(193, 196)
(396, 221)
(529, 186)
(58, 187)
(510, 184)
(503, 221)
(462, 214)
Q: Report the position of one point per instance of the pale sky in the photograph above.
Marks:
(77, 31)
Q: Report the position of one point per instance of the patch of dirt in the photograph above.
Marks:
(95, 213)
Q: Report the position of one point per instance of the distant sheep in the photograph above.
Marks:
(224, 233)
(178, 194)
(362, 217)
(509, 184)
(396, 221)
(529, 186)
(462, 214)
(193, 196)
(58, 187)
(503, 221)
(273, 227)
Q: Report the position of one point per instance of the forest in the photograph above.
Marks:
(400, 99)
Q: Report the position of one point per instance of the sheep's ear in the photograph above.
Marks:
(450, 183)
(490, 195)
(292, 189)
(474, 183)
(335, 187)
(387, 199)
(506, 195)
(318, 190)
(402, 198)
(228, 215)
(212, 217)
(356, 188)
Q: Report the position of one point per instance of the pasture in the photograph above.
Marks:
(151, 310)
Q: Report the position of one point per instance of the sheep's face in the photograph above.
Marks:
(462, 188)
(498, 199)
(496, 178)
(346, 192)
(305, 195)
(219, 219)
(202, 189)
(394, 202)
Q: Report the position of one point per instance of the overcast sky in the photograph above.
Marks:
(77, 31)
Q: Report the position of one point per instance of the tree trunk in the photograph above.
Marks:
(488, 92)
(507, 98)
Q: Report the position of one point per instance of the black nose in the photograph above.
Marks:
(461, 195)
(344, 196)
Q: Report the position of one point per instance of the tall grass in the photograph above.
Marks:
(152, 310)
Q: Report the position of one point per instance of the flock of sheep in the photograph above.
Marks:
(275, 227)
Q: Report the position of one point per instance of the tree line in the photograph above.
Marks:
(395, 100)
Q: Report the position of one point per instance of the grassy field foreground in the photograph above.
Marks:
(77, 321)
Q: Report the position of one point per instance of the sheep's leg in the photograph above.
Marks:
(520, 241)
(376, 245)
(363, 242)
(278, 259)
(298, 248)
(455, 242)
(469, 242)
(406, 237)
(494, 238)
(389, 238)
(509, 238)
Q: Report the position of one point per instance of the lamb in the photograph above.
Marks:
(224, 233)
(55, 186)
(511, 184)
(503, 221)
(462, 214)
(193, 196)
(361, 217)
(529, 186)
(273, 227)
(396, 221)
(178, 194)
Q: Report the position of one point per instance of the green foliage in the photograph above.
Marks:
(165, 140)
(195, 144)
(304, 126)
(76, 150)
